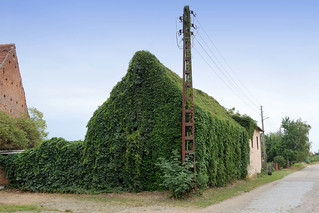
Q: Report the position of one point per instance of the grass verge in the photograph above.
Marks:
(216, 195)
(17, 208)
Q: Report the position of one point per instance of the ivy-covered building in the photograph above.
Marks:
(139, 123)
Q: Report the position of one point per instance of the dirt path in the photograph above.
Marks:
(298, 192)
(89, 203)
(54, 202)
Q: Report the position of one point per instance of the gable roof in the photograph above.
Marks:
(259, 129)
(5, 49)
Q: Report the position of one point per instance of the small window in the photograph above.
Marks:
(257, 142)
(4, 96)
(252, 143)
(3, 71)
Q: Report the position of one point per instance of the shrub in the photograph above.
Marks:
(300, 165)
(308, 160)
(280, 160)
(314, 158)
(178, 178)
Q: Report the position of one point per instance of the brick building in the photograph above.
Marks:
(12, 96)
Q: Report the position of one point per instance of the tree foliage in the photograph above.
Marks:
(291, 142)
(244, 120)
(138, 124)
(37, 118)
(21, 132)
(280, 160)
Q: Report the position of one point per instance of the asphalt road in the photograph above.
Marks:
(297, 192)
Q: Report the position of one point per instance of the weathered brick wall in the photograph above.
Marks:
(12, 96)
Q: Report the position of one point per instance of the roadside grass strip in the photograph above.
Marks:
(18, 208)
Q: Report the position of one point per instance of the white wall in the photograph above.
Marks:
(255, 154)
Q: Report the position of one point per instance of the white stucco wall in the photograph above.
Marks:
(255, 154)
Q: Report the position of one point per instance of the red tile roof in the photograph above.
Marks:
(4, 51)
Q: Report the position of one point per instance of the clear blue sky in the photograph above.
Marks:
(72, 53)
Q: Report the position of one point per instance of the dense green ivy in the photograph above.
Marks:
(139, 123)
(54, 166)
(247, 122)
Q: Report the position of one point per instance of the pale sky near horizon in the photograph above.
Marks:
(72, 53)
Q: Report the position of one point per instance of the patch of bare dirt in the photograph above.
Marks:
(124, 202)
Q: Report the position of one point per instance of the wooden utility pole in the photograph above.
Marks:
(188, 137)
(264, 145)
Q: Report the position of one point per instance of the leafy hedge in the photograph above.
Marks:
(139, 123)
(54, 166)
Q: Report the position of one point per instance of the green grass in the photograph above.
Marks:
(16, 208)
(216, 195)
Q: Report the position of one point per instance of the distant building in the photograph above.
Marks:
(255, 153)
(12, 96)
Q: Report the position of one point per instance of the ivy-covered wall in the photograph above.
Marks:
(139, 123)
(54, 166)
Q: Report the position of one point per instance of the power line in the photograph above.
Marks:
(243, 100)
(223, 58)
(228, 84)
(224, 72)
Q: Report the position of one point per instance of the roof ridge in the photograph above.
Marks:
(11, 48)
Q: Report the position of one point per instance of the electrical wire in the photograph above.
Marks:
(226, 74)
(225, 82)
(224, 60)
(224, 79)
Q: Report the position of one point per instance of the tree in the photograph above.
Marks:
(37, 117)
(22, 132)
(291, 141)
(273, 145)
(280, 160)
(295, 139)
